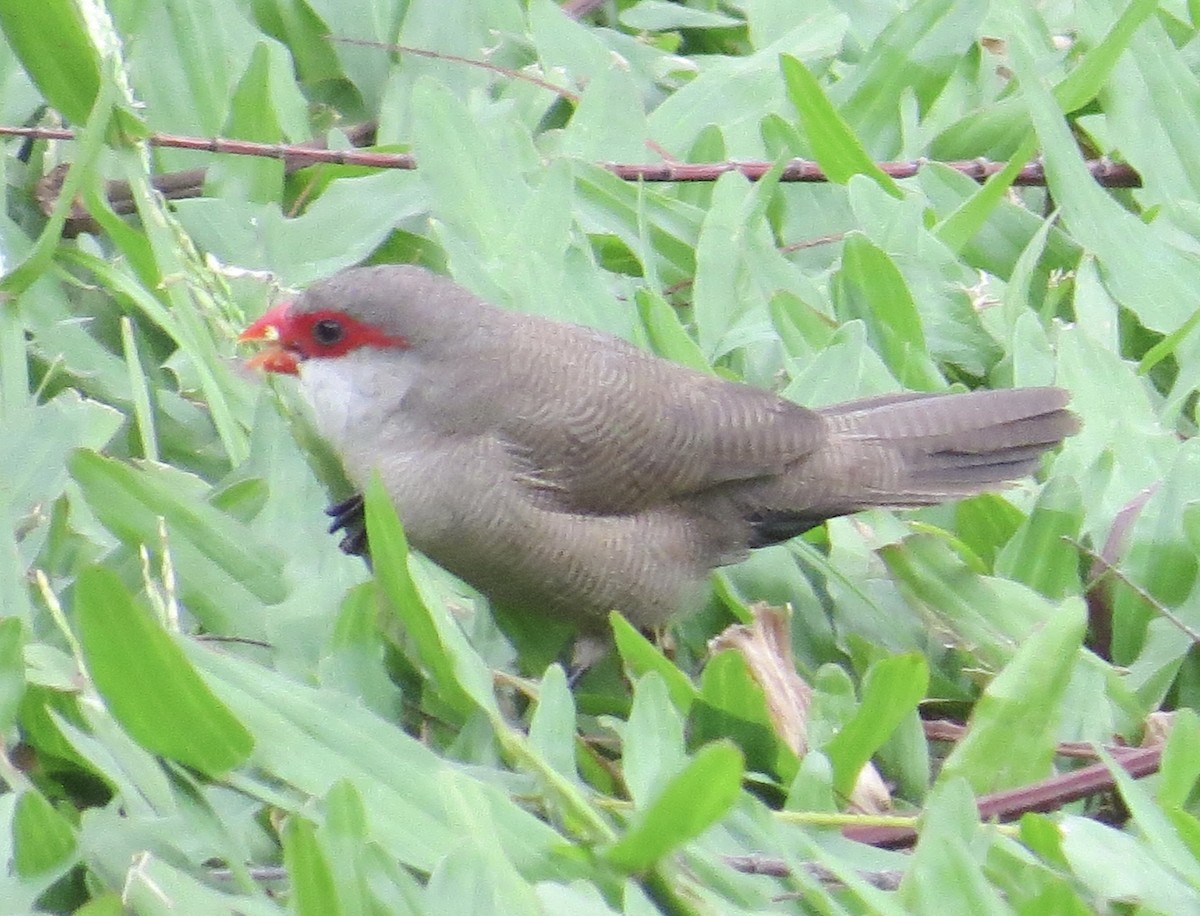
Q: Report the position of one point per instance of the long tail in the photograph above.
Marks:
(919, 449)
(910, 450)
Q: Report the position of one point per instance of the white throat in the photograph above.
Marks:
(346, 395)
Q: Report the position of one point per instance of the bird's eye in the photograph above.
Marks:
(328, 331)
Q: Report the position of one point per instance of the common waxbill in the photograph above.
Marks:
(562, 471)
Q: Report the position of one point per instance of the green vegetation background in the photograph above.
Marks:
(207, 708)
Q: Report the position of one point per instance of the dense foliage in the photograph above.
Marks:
(207, 708)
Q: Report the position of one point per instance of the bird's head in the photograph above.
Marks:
(355, 309)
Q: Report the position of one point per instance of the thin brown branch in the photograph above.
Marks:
(1107, 173)
(521, 75)
(190, 183)
(777, 868)
(172, 185)
(1048, 794)
(1149, 600)
(1098, 595)
(945, 730)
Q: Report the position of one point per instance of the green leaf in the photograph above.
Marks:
(12, 670)
(733, 705)
(911, 58)
(313, 889)
(1115, 865)
(460, 676)
(1153, 824)
(1013, 731)
(870, 287)
(1161, 297)
(640, 656)
(691, 802)
(890, 692)
(52, 42)
(946, 874)
(660, 16)
(836, 149)
(479, 875)
(251, 117)
(42, 838)
(148, 684)
(552, 728)
(1180, 767)
(217, 556)
(666, 332)
(986, 523)
(309, 738)
(652, 740)
(957, 229)
(1042, 554)
(990, 616)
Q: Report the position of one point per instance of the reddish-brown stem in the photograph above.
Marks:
(1047, 795)
(1110, 174)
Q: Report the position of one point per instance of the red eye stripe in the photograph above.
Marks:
(328, 333)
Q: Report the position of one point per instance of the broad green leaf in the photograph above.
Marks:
(640, 657)
(1154, 117)
(911, 57)
(349, 220)
(687, 805)
(607, 204)
(988, 615)
(1115, 865)
(480, 875)
(890, 692)
(1012, 734)
(735, 92)
(965, 222)
(42, 838)
(871, 289)
(313, 889)
(309, 738)
(215, 554)
(1041, 553)
(1159, 293)
(609, 123)
(344, 836)
(986, 523)
(1180, 768)
(667, 336)
(996, 129)
(552, 728)
(660, 16)
(1153, 824)
(946, 873)
(149, 685)
(732, 704)
(52, 42)
(12, 670)
(251, 117)
(652, 740)
(460, 676)
(836, 149)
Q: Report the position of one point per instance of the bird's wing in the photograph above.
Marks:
(605, 428)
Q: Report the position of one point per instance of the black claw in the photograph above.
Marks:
(350, 519)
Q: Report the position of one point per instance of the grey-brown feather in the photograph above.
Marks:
(562, 470)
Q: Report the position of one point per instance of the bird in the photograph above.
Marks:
(563, 472)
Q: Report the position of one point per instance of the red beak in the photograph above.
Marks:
(269, 329)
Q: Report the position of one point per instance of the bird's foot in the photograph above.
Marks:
(350, 519)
